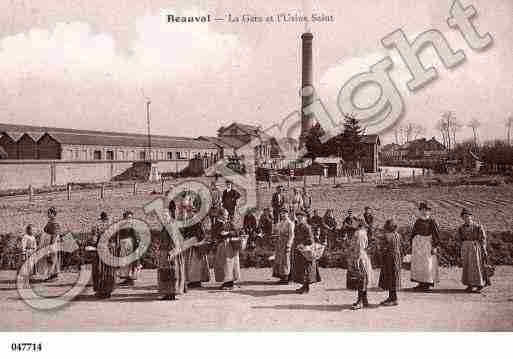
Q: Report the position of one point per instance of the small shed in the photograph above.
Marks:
(334, 165)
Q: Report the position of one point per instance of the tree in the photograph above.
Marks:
(474, 124)
(448, 126)
(349, 143)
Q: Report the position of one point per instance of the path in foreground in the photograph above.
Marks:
(258, 305)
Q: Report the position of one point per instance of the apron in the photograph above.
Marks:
(424, 265)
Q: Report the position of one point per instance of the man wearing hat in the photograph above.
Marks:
(303, 271)
(425, 238)
(350, 225)
(230, 198)
(474, 255)
(278, 203)
(369, 221)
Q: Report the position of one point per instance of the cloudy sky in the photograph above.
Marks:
(92, 64)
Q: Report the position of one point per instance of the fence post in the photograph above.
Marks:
(31, 193)
(134, 188)
(102, 191)
(398, 175)
(68, 190)
(162, 185)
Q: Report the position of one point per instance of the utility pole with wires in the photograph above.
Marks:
(148, 103)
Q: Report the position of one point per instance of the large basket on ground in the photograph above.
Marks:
(313, 251)
(239, 243)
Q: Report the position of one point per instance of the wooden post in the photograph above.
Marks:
(102, 191)
(320, 177)
(31, 193)
(134, 188)
(398, 175)
(413, 173)
(380, 177)
(335, 180)
(162, 185)
(68, 190)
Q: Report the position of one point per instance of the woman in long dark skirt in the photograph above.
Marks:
(390, 276)
(104, 276)
(303, 271)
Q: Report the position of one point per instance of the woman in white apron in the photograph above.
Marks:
(425, 238)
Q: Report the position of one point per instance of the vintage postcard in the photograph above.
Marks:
(300, 165)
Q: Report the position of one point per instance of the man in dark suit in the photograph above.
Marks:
(230, 197)
(278, 203)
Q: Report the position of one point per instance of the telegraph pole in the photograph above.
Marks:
(148, 103)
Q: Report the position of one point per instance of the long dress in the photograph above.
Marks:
(28, 248)
(128, 240)
(50, 265)
(103, 275)
(171, 271)
(196, 261)
(226, 262)
(303, 271)
(473, 255)
(390, 275)
(281, 266)
(424, 265)
(359, 267)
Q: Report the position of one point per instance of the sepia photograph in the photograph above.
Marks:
(247, 166)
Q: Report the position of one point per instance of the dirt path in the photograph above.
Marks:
(259, 305)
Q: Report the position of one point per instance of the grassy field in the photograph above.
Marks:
(492, 205)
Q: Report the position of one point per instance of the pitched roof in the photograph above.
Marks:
(127, 140)
(249, 129)
(102, 138)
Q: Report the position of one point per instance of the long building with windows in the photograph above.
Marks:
(21, 142)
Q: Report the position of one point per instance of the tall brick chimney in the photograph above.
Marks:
(307, 95)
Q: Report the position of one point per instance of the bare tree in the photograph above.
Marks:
(509, 124)
(443, 125)
(474, 124)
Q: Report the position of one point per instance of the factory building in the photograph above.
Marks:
(46, 143)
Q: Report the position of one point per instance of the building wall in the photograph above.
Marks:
(9, 146)
(18, 174)
(27, 148)
(48, 148)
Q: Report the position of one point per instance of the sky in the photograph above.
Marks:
(93, 64)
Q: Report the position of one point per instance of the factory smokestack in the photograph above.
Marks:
(307, 90)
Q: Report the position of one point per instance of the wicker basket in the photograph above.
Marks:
(313, 252)
(239, 243)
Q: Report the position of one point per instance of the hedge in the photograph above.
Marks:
(500, 249)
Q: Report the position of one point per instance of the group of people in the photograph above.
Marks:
(293, 228)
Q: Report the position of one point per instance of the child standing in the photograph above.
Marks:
(390, 276)
(28, 247)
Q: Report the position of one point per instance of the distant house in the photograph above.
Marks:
(417, 149)
(268, 151)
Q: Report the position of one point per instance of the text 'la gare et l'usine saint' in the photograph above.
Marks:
(246, 18)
